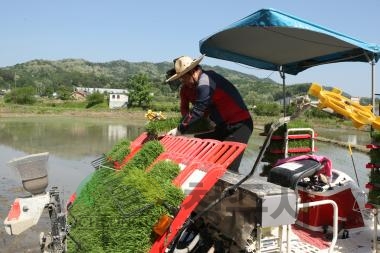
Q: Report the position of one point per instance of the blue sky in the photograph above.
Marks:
(156, 31)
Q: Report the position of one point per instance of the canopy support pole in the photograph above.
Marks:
(372, 61)
(373, 84)
(282, 74)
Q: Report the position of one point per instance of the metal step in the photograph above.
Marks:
(98, 162)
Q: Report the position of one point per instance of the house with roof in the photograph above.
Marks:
(118, 98)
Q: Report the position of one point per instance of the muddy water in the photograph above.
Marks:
(73, 143)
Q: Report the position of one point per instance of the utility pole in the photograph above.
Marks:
(14, 79)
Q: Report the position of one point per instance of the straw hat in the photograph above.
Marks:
(182, 65)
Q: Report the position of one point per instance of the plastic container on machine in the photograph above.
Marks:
(33, 171)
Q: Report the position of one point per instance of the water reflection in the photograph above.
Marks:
(72, 143)
(64, 137)
(117, 132)
(353, 136)
(352, 139)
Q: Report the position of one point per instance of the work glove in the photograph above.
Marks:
(174, 132)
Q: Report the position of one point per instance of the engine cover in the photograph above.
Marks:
(256, 203)
(288, 174)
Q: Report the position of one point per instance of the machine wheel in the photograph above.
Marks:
(188, 241)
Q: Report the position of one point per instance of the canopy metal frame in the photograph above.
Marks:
(272, 40)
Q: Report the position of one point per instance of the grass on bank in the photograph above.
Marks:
(56, 107)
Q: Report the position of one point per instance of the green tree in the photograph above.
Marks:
(139, 91)
(22, 95)
(47, 92)
(280, 95)
(267, 109)
(94, 99)
(251, 98)
(3, 84)
(64, 92)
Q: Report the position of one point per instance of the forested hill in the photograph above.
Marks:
(44, 74)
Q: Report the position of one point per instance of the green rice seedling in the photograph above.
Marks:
(122, 221)
(375, 136)
(116, 211)
(119, 151)
(164, 171)
(374, 196)
(301, 143)
(374, 176)
(158, 127)
(374, 155)
(276, 146)
(148, 153)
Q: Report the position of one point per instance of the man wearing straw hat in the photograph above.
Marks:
(187, 94)
(216, 97)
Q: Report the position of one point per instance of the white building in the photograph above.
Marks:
(355, 99)
(100, 90)
(118, 100)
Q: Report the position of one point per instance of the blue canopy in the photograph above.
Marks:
(272, 40)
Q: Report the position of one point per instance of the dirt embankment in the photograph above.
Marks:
(133, 115)
(139, 116)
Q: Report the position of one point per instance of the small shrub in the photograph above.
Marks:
(267, 109)
(94, 99)
(22, 96)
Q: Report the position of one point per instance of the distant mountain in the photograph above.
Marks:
(45, 74)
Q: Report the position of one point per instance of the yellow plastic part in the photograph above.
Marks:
(376, 123)
(162, 224)
(360, 115)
